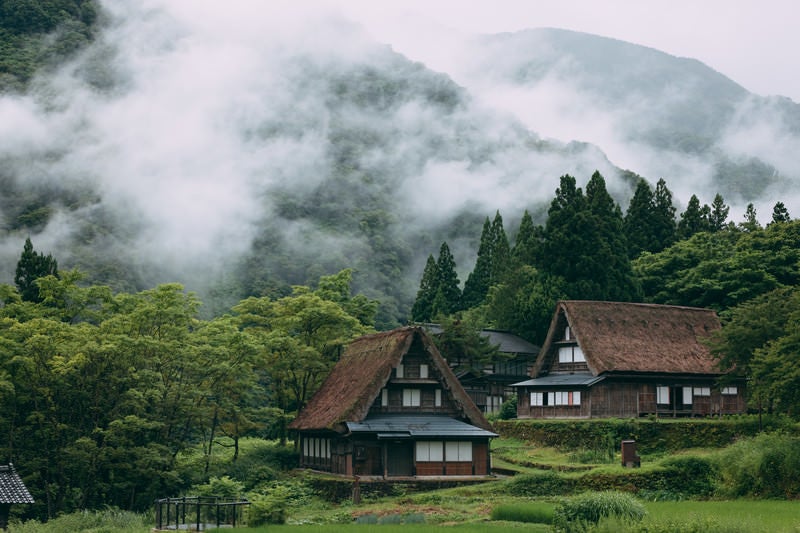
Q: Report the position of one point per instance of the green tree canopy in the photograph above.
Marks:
(491, 265)
(694, 219)
(639, 220)
(780, 213)
(448, 294)
(422, 310)
(718, 218)
(723, 269)
(30, 267)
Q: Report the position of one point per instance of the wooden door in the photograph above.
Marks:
(400, 458)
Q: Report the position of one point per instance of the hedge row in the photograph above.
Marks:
(651, 435)
(683, 476)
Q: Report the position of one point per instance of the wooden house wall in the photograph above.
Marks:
(633, 399)
(371, 457)
(411, 379)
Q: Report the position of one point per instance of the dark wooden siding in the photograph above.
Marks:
(632, 399)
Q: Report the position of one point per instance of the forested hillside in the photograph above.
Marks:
(139, 154)
(589, 250)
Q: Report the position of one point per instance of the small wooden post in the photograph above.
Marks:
(356, 491)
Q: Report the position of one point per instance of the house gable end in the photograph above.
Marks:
(369, 365)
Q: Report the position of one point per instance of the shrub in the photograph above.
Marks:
(764, 466)
(539, 484)
(267, 509)
(690, 475)
(534, 512)
(110, 520)
(509, 408)
(220, 487)
(585, 510)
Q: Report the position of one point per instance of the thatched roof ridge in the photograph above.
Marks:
(363, 370)
(634, 337)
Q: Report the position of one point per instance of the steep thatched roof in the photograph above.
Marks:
(361, 373)
(629, 337)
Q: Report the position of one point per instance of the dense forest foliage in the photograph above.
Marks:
(101, 392)
(68, 25)
(587, 249)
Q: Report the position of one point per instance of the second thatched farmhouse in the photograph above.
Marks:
(612, 359)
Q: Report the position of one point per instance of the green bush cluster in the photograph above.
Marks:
(404, 518)
(766, 466)
(110, 520)
(547, 483)
(585, 510)
(651, 435)
(533, 512)
(267, 509)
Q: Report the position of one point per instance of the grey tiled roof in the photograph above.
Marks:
(12, 489)
(509, 343)
(419, 426)
(566, 380)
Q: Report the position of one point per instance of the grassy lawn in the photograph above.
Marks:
(774, 516)
(736, 516)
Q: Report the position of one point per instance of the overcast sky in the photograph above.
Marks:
(755, 43)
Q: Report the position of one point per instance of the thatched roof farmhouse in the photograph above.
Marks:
(626, 359)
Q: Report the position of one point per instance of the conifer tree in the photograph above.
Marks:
(501, 252)
(526, 244)
(692, 220)
(750, 223)
(780, 214)
(492, 263)
(584, 243)
(422, 310)
(664, 225)
(30, 267)
(477, 284)
(608, 274)
(719, 214)
(638, 221)
(448, 293)
(567, 224)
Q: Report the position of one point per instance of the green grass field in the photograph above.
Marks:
(735, 516)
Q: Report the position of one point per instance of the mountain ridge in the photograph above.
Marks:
(295, 162)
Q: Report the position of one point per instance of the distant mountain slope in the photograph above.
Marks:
(664, 106)
(241, 168)
(239, 159)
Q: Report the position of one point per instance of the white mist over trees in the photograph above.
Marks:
(242, 148)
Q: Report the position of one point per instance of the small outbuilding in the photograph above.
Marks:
(392, 408)
(12, 490)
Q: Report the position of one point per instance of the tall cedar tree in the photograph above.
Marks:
(718, 220)
(422, 310)
(639, 221)
(567, 224)
(780, 213)
(584, 243)
(30, 267)
(477, 284)
(448, 294)
(501, 251)
(492, 263)
(611, 275)
(693, 220)
(664, 216)
(750, 223)
(526, 245)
